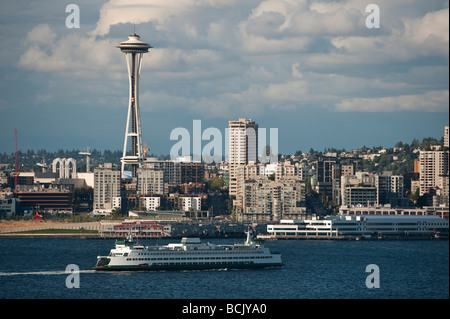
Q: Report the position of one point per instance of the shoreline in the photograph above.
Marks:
(99, 236)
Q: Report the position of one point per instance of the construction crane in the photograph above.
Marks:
(145, 149)
(88, 154)
(16, 173)
(43, 164)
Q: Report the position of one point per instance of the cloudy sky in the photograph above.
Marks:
(312, 69)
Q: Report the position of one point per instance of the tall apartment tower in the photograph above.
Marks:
(242, 148)
(434, 169)
(106, 187)
(446, 141)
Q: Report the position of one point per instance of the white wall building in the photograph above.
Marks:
(190, 203)
(106, 187)
(117, 202)
(152, 203)
(361, 225)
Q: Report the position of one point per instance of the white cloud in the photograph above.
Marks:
(432, 101)
(217, 57)
(429, 34)
(41, 34)
(75, 54)
(163, 14)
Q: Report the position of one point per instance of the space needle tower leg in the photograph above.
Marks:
(134, 50)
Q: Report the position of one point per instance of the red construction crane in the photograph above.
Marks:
(16, 174)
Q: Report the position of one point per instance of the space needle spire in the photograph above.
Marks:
(134, 49)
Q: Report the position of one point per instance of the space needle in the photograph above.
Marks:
(134, 50)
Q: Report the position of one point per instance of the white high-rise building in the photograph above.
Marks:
(434, 167)
(242, 148)
(446, 141)
(106, 187)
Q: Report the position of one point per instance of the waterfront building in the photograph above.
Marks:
(386, 210)
(9, 206)
(106, 187)
(140, 228)
(56, 198)
(337, 226)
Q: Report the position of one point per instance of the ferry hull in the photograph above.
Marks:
(147, 267)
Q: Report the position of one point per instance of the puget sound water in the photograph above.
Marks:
(331, 269)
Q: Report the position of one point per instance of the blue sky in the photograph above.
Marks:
(312, 69)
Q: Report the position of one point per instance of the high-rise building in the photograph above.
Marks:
(267, 200)
(242, 148)
(170, 168)
(434, 170)
(325, 170)
(446, 141)
(150, 181)
(106, 187)
(134, 50)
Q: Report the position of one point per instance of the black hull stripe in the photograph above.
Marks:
(187, 267)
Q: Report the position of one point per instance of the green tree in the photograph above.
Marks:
(308, 186)
(215, 183)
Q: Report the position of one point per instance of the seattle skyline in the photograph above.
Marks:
(311, 69)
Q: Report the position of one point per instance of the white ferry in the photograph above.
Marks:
(191, 253)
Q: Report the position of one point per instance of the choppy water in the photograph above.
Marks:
(35, 268)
